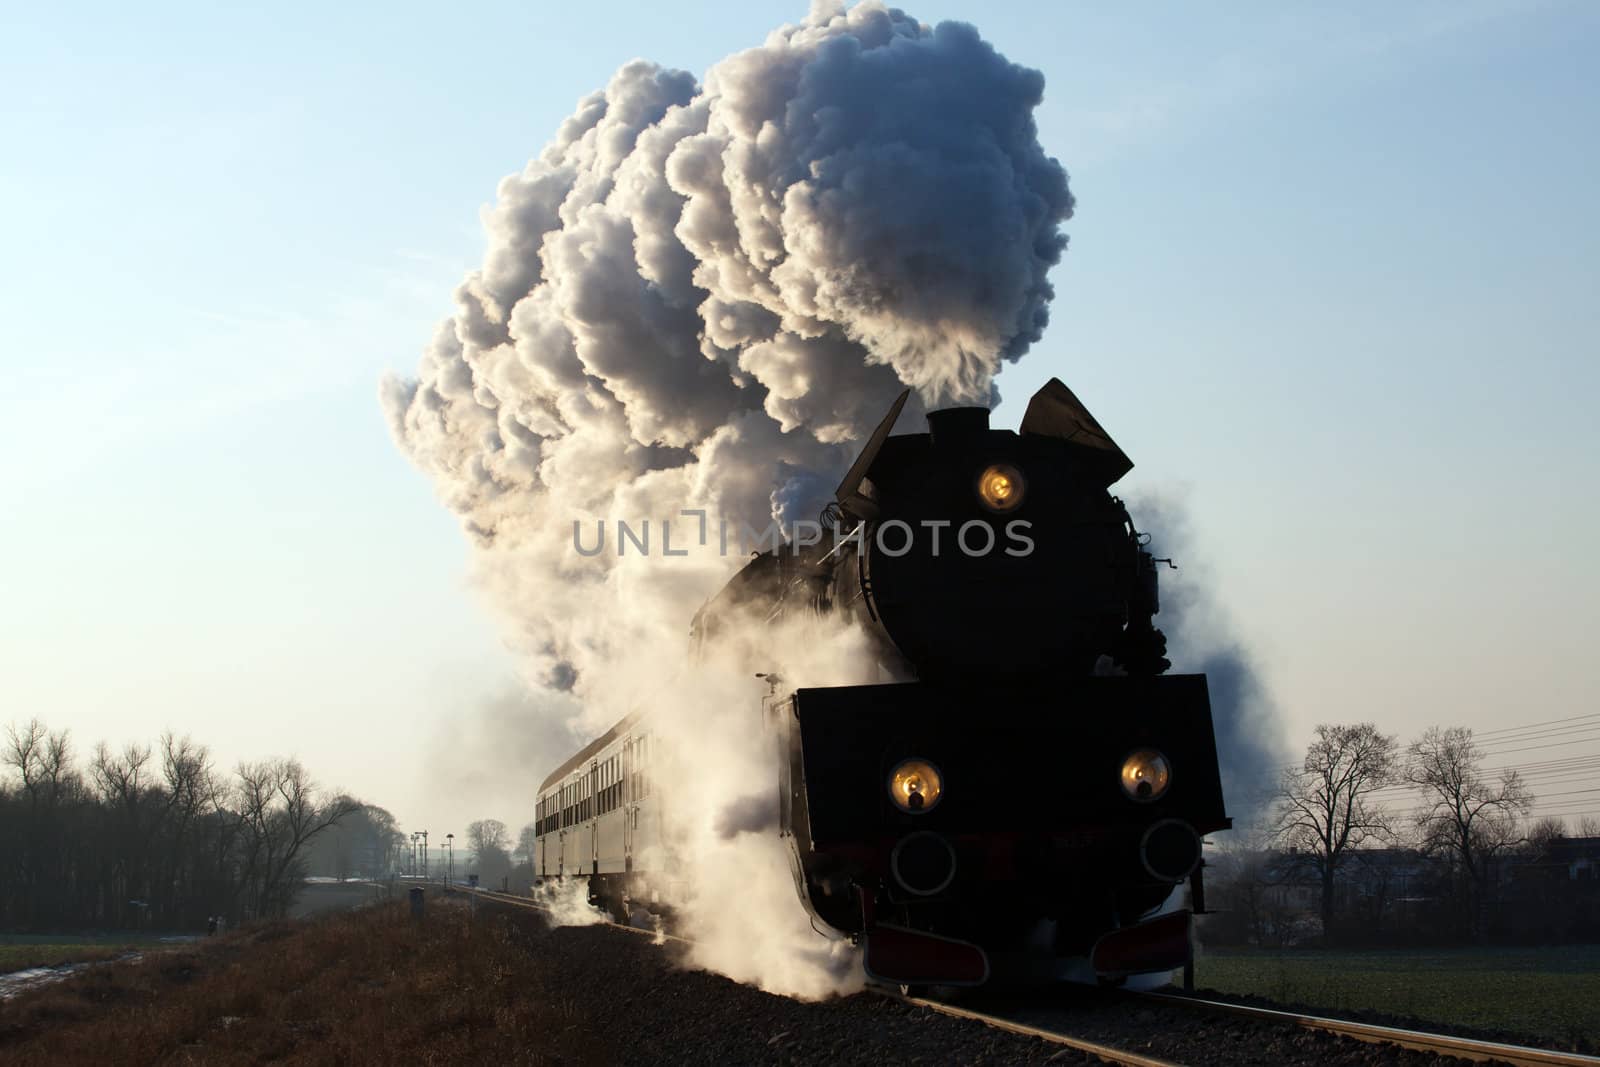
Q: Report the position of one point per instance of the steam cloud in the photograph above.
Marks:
(700, 291)
(704, 295)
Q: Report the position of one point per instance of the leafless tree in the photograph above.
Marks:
(1543, 833)
(487, 835)
(1327, 806)
(278, 813)
(43, 760)
(526, 840)
(1245, 890)
(488, 838)
(142, 837)
(1465, 819)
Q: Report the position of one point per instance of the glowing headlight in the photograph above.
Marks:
(916, 786)
(1000, 487)
(1146, 774)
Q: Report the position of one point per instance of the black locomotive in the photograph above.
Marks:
(1037, 788)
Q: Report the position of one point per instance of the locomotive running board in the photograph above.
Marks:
(900, 956)
(1159, 944)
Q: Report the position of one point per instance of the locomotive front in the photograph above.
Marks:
(1041, 788)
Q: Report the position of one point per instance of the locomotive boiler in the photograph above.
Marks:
(1034, 786)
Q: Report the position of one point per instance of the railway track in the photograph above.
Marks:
(1416, 1040)
(1037, 1024)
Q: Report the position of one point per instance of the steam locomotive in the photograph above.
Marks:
(1036, 790)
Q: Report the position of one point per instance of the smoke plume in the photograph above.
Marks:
(1250, 743)
(703, 295)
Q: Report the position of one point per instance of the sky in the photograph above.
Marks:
(1330, 285)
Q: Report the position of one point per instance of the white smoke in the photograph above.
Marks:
(703, 295)
(566, 903)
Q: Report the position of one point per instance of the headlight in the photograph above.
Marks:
(916, 786)
(1000, 487)
(1146, 774)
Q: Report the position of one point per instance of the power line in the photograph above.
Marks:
(1577, 729)
(1532, 725)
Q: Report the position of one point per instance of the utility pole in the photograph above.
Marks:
(450, 857)
(424, 834)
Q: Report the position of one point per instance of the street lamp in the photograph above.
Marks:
(450, 857)
(424, 834)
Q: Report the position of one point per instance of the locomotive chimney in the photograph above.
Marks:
(952, 426)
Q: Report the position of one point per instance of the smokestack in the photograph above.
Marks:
(952, 426)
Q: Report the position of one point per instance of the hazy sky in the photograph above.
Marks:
(1332, 281)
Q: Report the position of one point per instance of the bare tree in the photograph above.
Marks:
(487, 835)
(1544, 833)
(1245, 891)
(279, 813)
(1589, 826)
(488, 838)
(526, 841)
(1465, 819)
(43, 760)
(1327, 807)
(142, 836)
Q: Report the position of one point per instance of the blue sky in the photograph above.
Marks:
(1330, 283)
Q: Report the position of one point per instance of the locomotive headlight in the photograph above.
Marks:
(915, 786)
(1001, 487)
(1146, 775)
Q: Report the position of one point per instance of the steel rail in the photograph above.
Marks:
(1107, 1053)
(533, 905)
(1418, 1040)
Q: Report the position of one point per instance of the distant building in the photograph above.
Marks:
(1573, 859)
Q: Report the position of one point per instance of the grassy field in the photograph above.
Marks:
(1548, 993)
(21, 951)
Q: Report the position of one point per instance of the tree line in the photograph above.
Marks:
(1332, 820)
(155, 837)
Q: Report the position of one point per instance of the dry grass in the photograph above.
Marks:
(21, 957)
(370, 986)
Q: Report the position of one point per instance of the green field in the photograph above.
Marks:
(1548, 993)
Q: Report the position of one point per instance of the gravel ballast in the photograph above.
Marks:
(636, 1003)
